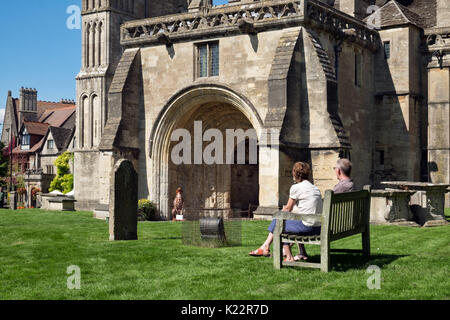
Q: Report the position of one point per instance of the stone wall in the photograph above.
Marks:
(92, 185)
(399, 107)
(443, 13)
(439, 132)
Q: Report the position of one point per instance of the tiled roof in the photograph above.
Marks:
(36, 147)
(394, 14)
(426, 9)
(36, 128)
(45, 106)
(58, 116)
(61, 137)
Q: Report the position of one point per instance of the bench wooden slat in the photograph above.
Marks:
(349, 196)
(297, 216)
(346, 234)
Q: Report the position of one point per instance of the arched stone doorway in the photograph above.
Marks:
(223, 187)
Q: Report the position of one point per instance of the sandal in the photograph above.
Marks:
(260, 253)
(300, 257)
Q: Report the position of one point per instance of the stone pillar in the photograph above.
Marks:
(355, 8)
(269, 184)
(439, 125)
(13, 200)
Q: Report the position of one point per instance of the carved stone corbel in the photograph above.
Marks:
(439, 54)
(246, 27)
(163, 38)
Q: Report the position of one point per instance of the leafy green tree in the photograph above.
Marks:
(63, 181)
(4, 161)
(4, 165)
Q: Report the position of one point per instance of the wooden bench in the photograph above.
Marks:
(343, 215)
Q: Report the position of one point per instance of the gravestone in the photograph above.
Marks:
(123, 205)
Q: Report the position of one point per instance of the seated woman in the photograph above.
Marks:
(304, 198)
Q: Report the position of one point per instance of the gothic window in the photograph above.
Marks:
(95, 118)
(387, 49)
(99, 44)
(92, 45)
(87, 45)
(208, 60)
(84, 116)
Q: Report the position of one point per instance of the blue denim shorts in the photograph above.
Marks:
(296, 227)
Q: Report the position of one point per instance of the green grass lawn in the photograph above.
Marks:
(36, 247)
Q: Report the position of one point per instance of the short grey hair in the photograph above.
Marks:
(345, 166)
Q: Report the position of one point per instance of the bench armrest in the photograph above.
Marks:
(295, 216)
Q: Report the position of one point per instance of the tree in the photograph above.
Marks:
(63, 181)
(4, 161)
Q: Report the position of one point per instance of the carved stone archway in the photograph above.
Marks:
(209, 187)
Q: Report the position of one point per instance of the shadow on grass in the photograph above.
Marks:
(167, 238)
(346, 261)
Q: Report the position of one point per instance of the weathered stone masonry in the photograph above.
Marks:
(302, 67)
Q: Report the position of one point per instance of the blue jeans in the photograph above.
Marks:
(296, 227)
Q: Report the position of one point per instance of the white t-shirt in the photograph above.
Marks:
(308, 200)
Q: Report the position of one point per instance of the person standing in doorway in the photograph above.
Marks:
(178, 204)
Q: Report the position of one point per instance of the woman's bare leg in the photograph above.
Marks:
(268, 242)
(265, 247)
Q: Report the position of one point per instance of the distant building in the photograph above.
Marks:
(40, 131)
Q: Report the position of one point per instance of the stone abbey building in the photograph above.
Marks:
(316, 74)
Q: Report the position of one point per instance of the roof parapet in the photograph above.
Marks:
(245, 17)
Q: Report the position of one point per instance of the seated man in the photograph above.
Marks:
(343, 170)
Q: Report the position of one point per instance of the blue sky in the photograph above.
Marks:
(38, 50)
